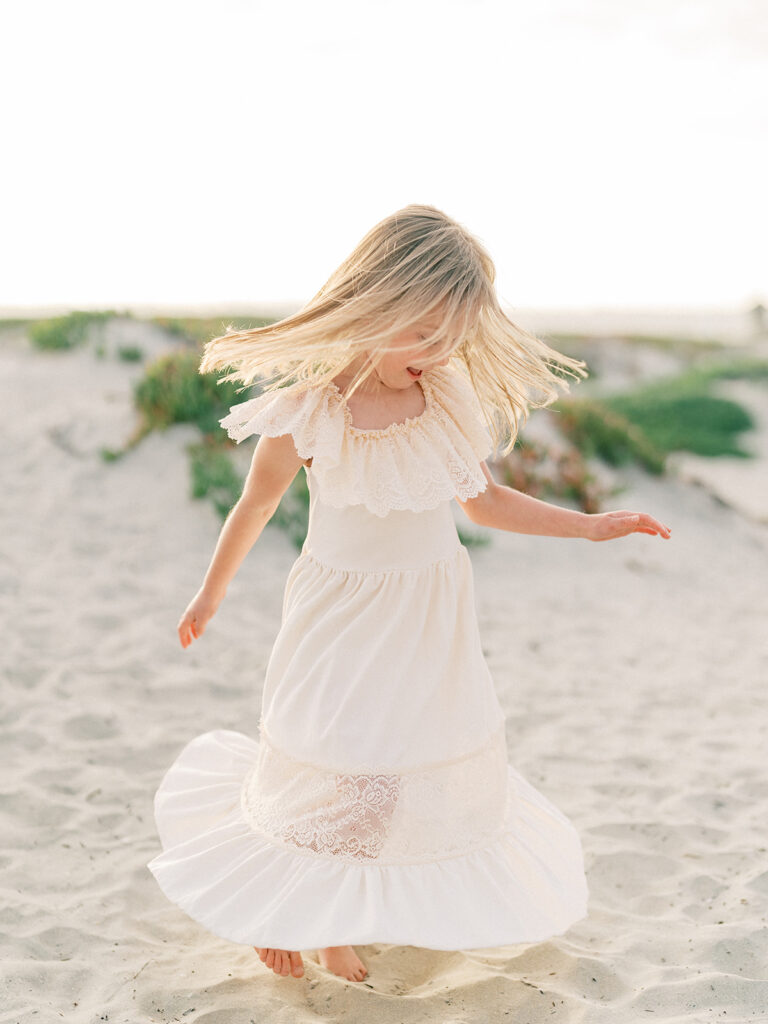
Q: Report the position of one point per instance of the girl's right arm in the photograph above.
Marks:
(274, 465)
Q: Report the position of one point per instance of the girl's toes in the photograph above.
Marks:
(269, 960)
(297, 967)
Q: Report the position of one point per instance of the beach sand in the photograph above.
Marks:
(633, 675)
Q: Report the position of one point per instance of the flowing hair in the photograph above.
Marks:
(415, 263)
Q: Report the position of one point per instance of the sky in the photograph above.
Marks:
(607, 153)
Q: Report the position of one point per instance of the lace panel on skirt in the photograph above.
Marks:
(439, 811)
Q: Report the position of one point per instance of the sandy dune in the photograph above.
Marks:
(633, 675)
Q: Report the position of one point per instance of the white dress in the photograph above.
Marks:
(377, 804)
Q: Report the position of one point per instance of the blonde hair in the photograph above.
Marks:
(413, 263)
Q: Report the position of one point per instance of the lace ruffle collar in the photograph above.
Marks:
(413, 465)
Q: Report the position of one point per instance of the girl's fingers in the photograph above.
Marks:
(637, 522)
(651, 525)
(189, 629)
(650, 521)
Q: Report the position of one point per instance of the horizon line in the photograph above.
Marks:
(261, 309)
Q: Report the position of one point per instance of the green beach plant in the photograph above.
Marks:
(680, 413)
(173, 391)
(130, 353)
(66, 332)
(674, 419)
(597, 430)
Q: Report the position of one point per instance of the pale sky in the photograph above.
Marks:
(607, 152)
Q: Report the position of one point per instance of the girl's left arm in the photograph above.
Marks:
(504, 508)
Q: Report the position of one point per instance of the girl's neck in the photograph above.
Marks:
(372, 385)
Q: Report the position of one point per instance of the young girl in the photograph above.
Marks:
(378, 805)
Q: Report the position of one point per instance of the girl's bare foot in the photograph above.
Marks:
(344, 961)
(282, 961)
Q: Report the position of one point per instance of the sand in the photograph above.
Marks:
(633, 675)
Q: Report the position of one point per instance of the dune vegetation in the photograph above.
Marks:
(638, 425)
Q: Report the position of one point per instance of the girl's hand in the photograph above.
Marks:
(609, 525)
(199, 611)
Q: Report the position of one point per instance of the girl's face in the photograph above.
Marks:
(409, 354)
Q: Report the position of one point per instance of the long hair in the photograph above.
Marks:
(413, 263)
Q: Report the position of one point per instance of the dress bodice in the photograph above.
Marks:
(357, 540)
